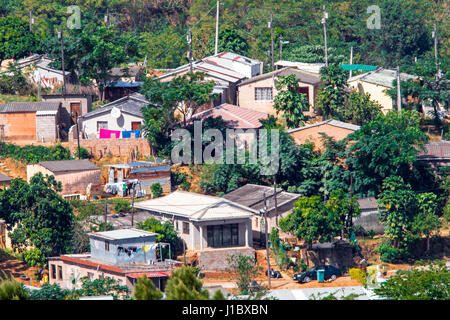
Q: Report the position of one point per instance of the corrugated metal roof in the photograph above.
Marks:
(29, 106)
(237, 117)
(69, 165)
(130, 104)
(383, 77)
(121, 234)
(302, 76)
(308, 67)
(331, 122)
(4, 178)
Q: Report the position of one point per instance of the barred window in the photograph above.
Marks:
(185, 228)
(263, 94)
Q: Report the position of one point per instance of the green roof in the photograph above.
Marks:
(358, 67)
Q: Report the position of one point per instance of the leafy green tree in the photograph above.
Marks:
(245, 270)
(230, 40)
(34, 257)
(360, 108)
(101, 287)
(156, 190)
(332, 95)
(16, 41)
(425, 283)
(41, 217)
(14, 82)
(218, 295)
(145, 290)
(313, 54)
(49, 292)
(426, 222)
(11, 289)
(290, 102)
(166, 233)
(183, 284)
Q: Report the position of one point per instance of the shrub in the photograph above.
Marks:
(156, 190)
(33, 154)
(84, 153)
(359, 275)
(34, 257)
(391, 254)
(122, 205)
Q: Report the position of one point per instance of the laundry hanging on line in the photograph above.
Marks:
(127, 134)
(106, 134)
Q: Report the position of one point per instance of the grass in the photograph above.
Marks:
(6, 98)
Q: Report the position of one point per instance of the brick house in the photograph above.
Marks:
(30, 121)
(312, 132)
(75, 175)
(252, 196)
(123, 255)
(258, 93)
(212, 227)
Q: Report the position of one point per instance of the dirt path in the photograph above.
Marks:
(19, 270)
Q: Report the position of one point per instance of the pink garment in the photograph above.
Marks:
(106, 134)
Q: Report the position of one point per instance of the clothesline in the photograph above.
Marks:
(106, 134)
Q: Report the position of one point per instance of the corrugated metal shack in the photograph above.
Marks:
(143, 173)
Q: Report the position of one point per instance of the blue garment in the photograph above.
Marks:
(127, 134)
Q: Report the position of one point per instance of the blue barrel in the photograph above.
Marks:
(320, 275)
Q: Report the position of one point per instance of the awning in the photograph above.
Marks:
(358, 67)
(157, 274)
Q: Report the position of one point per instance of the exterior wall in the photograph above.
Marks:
(369, 221)
(73, 182)
(216, 259)
(376, 93)
(246, 95)
(257, 221)
(123, 123)
(98, 148)
(98, 251)
(313, 134)
(46, 127)
(20, 126)
(339, 256)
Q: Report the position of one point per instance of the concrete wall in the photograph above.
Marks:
(20, 126)
(66, 118)
(246, 95)
(376, 93)
(369, 221)
(216, 259)
(340, 256)
(313, 134)
(46, 127)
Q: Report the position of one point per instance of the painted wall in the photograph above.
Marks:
(376, 93)
(20, 126)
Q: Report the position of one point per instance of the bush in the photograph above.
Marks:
(122, 205)
(359, 275)
(156, 190)
(84, 153)
(391, 254)
(34, 257)
(31, 154)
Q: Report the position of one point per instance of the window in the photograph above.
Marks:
(53, 267)
(263, 94)
(106, 245)
(135, 125)
(60, 273)
(223, 235)
(102, 125)
(185, 228)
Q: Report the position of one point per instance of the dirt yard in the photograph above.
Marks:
(19, 270)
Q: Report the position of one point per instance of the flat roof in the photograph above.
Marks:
(121, 234)
(69, 165)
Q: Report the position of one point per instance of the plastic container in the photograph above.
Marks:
(320, 275)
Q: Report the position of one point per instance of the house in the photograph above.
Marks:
(368, 219)
(437, 154)
(143, 173)
(338, 130)
(123, 81)
(226, 69)
(258, 93)
(308, 67)
(71, 106)
(75, 175)
(124, 255)
(211, 227)
(252, 196)
(4, 181)
(128, 118)
(30, 121)
(376, 83)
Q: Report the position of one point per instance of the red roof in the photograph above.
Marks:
(149, 274)
(237, 117)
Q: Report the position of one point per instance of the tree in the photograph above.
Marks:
(183, 284)
(14, 82)
(218, 295)
(230, 40)
(290, 102)
(156, 190)
(166, 233)
(11, 289)
(100, 287)
(245, 271)
(313, 54)
(16, 41)
(145, 290)
(424, 283)
(426, 222)
(332, 95)
(385, 147)
(360, 108)
(49, 292)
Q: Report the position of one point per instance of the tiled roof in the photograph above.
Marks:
(381, 76)
(302, 76)
(436, 150)
(331, 122)
(69, 165)
(29, 106)
(237, 117)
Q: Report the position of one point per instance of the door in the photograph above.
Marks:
(75, 108)
(135, 125)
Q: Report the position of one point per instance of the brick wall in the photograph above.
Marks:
(18, 126)
(216, 259)
(46, 127)
(102, 147)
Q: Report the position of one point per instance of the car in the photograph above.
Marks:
(331, 272)
(274, 274)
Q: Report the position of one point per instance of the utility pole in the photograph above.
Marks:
(324, 22)
(132, 205)
(31, 22)
(271, 36)
(217, 29)
(107, 17)
(78, 134)
(435, 36)
(60, 36)
(351, 60)
(189, 41)
(399, 97)
(266, 236)
(275, 197)
(106, 212)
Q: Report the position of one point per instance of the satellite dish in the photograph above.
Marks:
(115, 113)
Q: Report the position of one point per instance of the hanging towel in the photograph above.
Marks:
(127, 134)
(106, 134)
